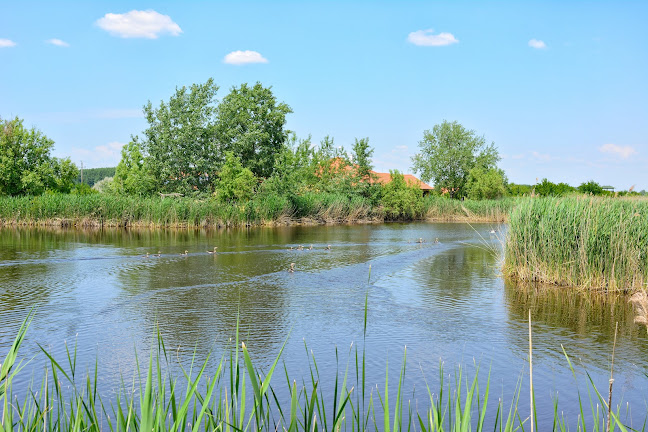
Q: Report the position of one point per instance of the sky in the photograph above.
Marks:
(560, 87)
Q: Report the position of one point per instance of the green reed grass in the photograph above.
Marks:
(585, 242)
(316, 207)
(239, 397)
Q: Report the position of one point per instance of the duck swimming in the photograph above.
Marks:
(292, 268)
(157, 255)
(214, 251)
(185, 253)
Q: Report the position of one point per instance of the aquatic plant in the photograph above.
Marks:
(239, 397)
(585, 242)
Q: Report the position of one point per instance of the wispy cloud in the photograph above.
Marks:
(244, 57)
(147, 24)
(624, 152)
(7, 43)
(101, 155)
(544, 157)
(537, 44)
(428, 38)
(57, 42)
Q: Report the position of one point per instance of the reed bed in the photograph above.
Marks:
(590, 243)
(267, 209)
(239, 397)
(444, 209)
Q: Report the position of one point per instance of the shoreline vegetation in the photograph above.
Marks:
(99, 210)
(588, 243)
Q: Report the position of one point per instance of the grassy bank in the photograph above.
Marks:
(239, 397)
(112, 210)
(585, 242)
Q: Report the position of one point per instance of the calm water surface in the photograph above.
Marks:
(444, 301)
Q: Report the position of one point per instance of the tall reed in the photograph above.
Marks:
(584, 242)
(239, 397)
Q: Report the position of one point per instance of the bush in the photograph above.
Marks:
(401, 200)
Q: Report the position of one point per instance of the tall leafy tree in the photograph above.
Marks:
(180, 143)
(448, 152)
(251, 125)
(26, 166)
(133, 174)
(362, 154)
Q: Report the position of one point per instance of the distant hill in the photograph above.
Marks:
(93, 175)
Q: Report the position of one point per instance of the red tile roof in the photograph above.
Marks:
(409, 178)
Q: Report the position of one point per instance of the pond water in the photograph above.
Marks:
(445, 301)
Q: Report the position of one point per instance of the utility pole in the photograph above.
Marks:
(81, 172)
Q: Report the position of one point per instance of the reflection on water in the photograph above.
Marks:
(444, 301)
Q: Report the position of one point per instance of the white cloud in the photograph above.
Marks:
(427, 38)
(57, 42)
(244, 57)
(545, 157)
(401, 147)
(139, 24)
(537, 44)
(102, 155)
(622, 151)
(7, 43)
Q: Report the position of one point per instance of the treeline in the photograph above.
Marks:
(237, 152)
(90, 176)
(548, 189)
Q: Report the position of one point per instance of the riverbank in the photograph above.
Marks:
(128, 211)
(584, 242)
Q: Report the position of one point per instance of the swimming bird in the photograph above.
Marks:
(311, 247)
(146, 256)
(300, 247)
(420, 240)
(185, 253)
(157, 255)
(492, 231)
(214, 251)
(328, 247)
(292, 268)
(291, 248)
(436, 240)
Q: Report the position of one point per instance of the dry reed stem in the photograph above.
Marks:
(640, 302)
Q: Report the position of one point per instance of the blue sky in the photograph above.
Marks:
(560, 87)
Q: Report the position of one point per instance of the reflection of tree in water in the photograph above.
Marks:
(584, 323)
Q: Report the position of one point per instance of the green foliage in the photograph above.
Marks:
(104, 185)
(448, 152)
(519, 189)
(547, 188)
(93, 175)
(251, 125)
(401, 200)
(362, 153)
(235, 183)
(26, 167)
(83, 189)
(133, 174)
(591, 187)
(485, 183)
(179, 144)
(587, 242)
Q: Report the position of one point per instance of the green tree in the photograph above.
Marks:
(401, 200)
(133, 175)
(235, 182)
(26, 166)
(362, 154)
(179, 143)
(485, 183)
(591, 187)
(251, 125)
(448, 152)
(547, 188)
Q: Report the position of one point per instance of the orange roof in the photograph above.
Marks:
(409, 178)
